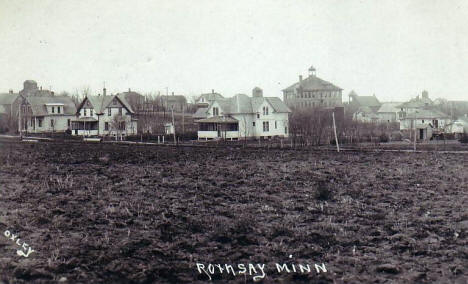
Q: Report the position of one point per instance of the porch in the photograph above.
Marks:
(85, 126)
(218, 127)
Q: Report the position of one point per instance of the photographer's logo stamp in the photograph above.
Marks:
(25, 250)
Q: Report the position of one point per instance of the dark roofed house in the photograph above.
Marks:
(9, 104)
(312, 92)
(176, 102)
(356, 102)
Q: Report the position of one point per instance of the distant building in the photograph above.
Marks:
(458, 127)
(242, 117)
(105, 115)
(178, 103)
(389, 112)
(415, 104)
(9, 105)
(312, 92)
(134, 99)
(426, 122)
(204, 100)
(364, 108)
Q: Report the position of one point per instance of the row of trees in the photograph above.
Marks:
(315, 127)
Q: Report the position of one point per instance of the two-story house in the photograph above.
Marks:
(245, 117)
(106, 115)
(40, 114)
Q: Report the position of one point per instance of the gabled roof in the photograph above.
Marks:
(7, 99)
(200, 113)
(38, 104)
(370, 101)
(389, 108)
(176, 98)
(426, 114)
(417, 103)
(100, 103)
(243, 104)
(313, 83)
(210, 97)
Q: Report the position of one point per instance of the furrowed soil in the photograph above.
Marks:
(102, 213)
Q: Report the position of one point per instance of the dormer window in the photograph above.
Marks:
(215, 111)
(84, 112)
(91, 112)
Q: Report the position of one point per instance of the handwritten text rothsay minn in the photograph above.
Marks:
(258, 271)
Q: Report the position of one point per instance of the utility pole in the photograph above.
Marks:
(173, 125)
(336, 136)
(414, 125)
(19, 119)
(183, 119)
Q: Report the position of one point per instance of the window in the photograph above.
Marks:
(84, 112)
(276, 125)
(39, 121)
(106, 126)
(68, 122)
(266, 126)
(109, 111)
(58, 109)
(53, 109)
(215, 111)
(253, 124)
(285, 130)
(258, 115)
(120, 111)
(51, 123)
(91, 112)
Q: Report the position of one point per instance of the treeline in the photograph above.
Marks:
(315, 127)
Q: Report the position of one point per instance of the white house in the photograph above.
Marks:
(425, 122)
(106, 115)
(389, 112)
(245, 117)
(42, 114)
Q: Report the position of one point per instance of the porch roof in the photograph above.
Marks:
(218, 119)
(86, 119)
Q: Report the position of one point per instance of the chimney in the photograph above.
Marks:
(257, 92)
(104, 91)
(425, 94)
(300, 78)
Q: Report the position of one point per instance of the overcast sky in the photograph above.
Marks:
(394, 49)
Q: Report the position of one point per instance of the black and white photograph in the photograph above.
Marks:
(221, 141)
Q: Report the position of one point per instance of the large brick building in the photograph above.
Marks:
(312, 92)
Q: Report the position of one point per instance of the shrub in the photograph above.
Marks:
(464, 138)
(323, 191)
(383, 138)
